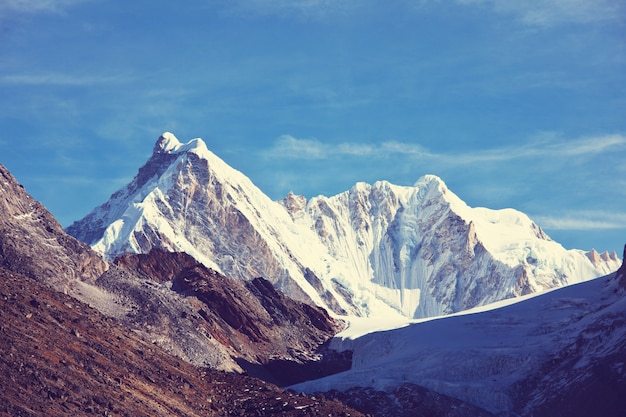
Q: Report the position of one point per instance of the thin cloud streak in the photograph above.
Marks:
(289, 147)
(292, 148)
(297, 8)
(59, 79)
(544, 148)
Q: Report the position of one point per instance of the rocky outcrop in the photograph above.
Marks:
(33, 243)
(158, 265)
(254, 323)
(602, 260)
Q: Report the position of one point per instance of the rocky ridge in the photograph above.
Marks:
(26, 227)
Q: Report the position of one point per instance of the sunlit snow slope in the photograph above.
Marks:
(375, 250)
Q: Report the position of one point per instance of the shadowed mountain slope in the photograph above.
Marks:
(254, 322)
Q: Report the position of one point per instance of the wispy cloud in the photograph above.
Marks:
(547, 146)
(583, 220)
(37, 6)
(290, 147)
(592, 145)
(409, 149)
(552, 12)
(60, 79)
(544, 147)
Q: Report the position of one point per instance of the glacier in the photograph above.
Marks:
(546, 351)
(382, 251)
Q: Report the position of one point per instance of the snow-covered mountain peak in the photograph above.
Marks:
(430, 180)
(431, 186)
(508, 234)
(166, 143)
(169, 143)
(374, 250)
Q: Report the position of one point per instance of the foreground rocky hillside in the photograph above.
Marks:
(60, 357)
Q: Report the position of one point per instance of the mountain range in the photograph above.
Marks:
(155, 334)
(190, 276)
(376, 250)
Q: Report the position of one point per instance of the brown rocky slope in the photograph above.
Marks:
(60, 357)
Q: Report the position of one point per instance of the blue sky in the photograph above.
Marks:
(512, 103)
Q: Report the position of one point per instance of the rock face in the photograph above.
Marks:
(59, 357)
(33, 243)
(375, 250)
